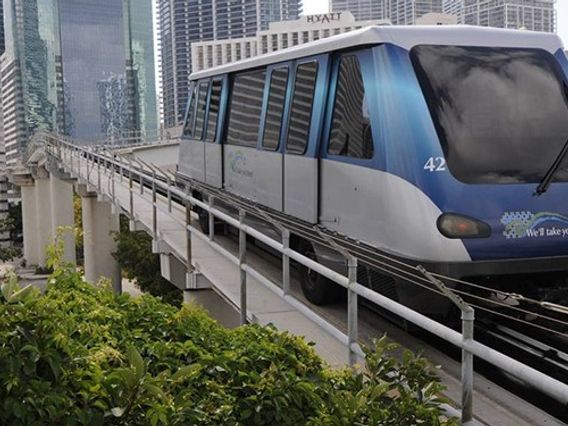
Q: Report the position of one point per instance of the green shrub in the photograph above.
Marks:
(134, 253)
(79, 354)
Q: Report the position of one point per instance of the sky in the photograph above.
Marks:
(322, 6)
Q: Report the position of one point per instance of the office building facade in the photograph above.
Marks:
(59, 52)
(399, 12)
(185, 22)
(533, 15)
(279, 35)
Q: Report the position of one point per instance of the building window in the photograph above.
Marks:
(351, 134)
(214, 101)
(315, 35)
(246, 105)
(305, 36)
(301, 113)
(264, 44)
(276, 99)
(294, 39)
(325, 33)
(274, 42)
(284, 41)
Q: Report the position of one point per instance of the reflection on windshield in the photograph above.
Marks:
(501, 113)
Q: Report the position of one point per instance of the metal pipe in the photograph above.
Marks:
(130, 190)
(242, 262)
(285, 262)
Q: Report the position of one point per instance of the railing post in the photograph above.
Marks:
(352, 309)
(130, 189)
(468, 318)
(98, 171)
(188, 230)
(285, 262)
(169, 192)
(154, 207)
(242, 262)
(211, 202)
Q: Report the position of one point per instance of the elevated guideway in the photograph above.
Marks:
(246, 278)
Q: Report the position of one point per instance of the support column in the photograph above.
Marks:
(29, 224)
(99, 223)
(44, 225)
(62, 214)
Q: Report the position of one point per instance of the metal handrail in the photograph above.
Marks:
(544, 383)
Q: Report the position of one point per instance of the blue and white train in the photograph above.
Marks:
(439, 145)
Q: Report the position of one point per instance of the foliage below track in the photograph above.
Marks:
(81, 355)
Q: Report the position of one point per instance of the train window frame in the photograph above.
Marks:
(199, 133)
(364, 105)
(190, 114)
(206, 137)
(291, 107)
(268, 87)
(227, 138)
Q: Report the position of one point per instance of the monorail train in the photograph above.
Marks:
(444, 146)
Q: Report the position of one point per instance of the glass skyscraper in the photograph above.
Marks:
(183, 22)
(59, 56)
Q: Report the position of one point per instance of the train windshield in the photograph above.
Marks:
(501, 113)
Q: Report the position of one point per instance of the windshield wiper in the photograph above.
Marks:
(547, 179)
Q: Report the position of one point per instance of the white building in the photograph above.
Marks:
(533, 15)
(279, 35)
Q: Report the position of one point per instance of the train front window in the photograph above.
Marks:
(501, 113)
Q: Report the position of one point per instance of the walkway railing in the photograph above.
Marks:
(82, 161)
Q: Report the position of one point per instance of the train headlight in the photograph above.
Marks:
(453, 225)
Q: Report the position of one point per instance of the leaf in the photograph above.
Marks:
(117, 411)
(186, 372)
(136, 361)
(21, 294)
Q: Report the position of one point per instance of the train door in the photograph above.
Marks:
(269, 167)
(350, 182)
(192, 154)
(212, 147)
(303, 133)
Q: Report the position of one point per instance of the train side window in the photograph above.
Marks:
(246, 105)
(275, 110)
(214, 100)
(351, 134)
(302, 102)
(203, 88)
(188, 129)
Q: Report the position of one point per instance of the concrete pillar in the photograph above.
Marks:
(62, 214)
(99, 224)
(43, 216)
(29, 224)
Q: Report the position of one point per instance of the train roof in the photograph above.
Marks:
(404, 36)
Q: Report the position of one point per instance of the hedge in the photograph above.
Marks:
(79, 354)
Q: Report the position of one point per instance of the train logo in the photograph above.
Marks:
(526, 224)
(238, 163)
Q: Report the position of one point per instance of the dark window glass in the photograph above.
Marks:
(201, 107)
(214, 101)
(246, 104)
(188, 128)
(351, 128)
(501, 113)
(276, 98)
(302, 101)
